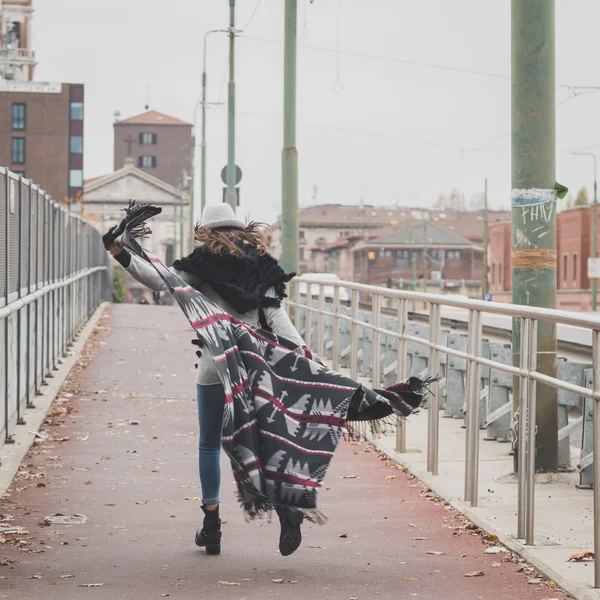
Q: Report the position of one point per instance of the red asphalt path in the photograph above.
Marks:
(130, 466)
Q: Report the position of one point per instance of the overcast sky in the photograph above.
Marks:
(401, 121)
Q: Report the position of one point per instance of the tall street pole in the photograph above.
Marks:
(486, 242)
(181, 213)
(289, 166)
(594, 226)
(231, 196)
(533, 200)
(191, 188)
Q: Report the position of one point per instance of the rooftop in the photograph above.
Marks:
(152, 117)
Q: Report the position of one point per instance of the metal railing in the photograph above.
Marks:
(527, 319)
(53, 275)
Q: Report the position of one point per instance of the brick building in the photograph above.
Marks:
(574, 240)
(439, 255)
(160, 145)
(41, 134)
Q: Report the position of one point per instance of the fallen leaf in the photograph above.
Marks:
(90, 585)
(36, 576)
(419, 539)
(350, 477)
(495, 550)
(134, 422)
(434, 552)
(343, 535)
(391, 477)
(475, 574)
(581, 556)
(79, 469)
(410, 578)
(54, 583)
(227, 583)
(534, 581)
(277, 580)
(110, 504)
(67, 576)
(165, 595)
(142, 501)
(57, 411)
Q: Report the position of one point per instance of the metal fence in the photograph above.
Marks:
(319, 309)
(53, 275)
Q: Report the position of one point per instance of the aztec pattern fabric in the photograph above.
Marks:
(285, 411)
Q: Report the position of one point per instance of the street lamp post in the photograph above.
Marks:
(594, 226)
(231, 195)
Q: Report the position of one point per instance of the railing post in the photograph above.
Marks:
(298, 297)
(401, 372)
(531, 431)
(596, 385)
(472, 413)
(433, 400)
(376, 353)
(308, 318)
(522, 426)
(354, 336)
(335, 332)
(475, 337)
(321, 322)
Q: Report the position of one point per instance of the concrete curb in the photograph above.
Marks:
(578, 591)
(12, 454)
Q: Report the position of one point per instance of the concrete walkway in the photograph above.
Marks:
(120, 448)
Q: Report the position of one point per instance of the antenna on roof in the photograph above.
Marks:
(147, 106)
(314, 195)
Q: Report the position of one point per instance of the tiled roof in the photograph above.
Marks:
(419, 233)
(152, 117)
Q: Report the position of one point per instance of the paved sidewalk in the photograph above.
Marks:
(122, 451)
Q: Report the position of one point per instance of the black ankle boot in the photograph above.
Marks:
(209, 536)
(290, 537)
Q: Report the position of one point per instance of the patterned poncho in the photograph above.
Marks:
(285, 411)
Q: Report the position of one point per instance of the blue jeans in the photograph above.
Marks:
(211, 402)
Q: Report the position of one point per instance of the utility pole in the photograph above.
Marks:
(533, 200)
(191, 194)
(289, 164)
(231, 196)
(425, 257)
(414, 278)
(486, 243)
(181, 210)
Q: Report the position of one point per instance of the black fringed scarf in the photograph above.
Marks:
(285, 411)
(242, 281)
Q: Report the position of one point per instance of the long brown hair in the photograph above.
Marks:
(228, 240)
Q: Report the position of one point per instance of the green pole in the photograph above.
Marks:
(595, 230)
(203, 142)
(191, 204)
(533, 200)
(486, 242)
(231, 197)
(289, 166)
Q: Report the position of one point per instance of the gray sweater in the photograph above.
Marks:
(277, 318)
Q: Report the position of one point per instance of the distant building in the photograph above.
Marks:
(106, 196)
(159, 144)
(328, 230)
(41, 134)
(574, 245)
(17, 60)
(441, 257)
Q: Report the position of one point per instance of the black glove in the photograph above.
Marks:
(108, 239)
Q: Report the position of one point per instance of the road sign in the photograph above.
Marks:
(237, 191)
(238, 175)
(594, 268)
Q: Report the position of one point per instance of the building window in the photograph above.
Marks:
(301, 254)
(565, 266)
(76, 178)
(147, 162)
(321, 237)
(574, 267)
(18, 150)
(18, 116)
(76, 111)
(76, 144)
(301, 237)
(453, 254)
(147, 139)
